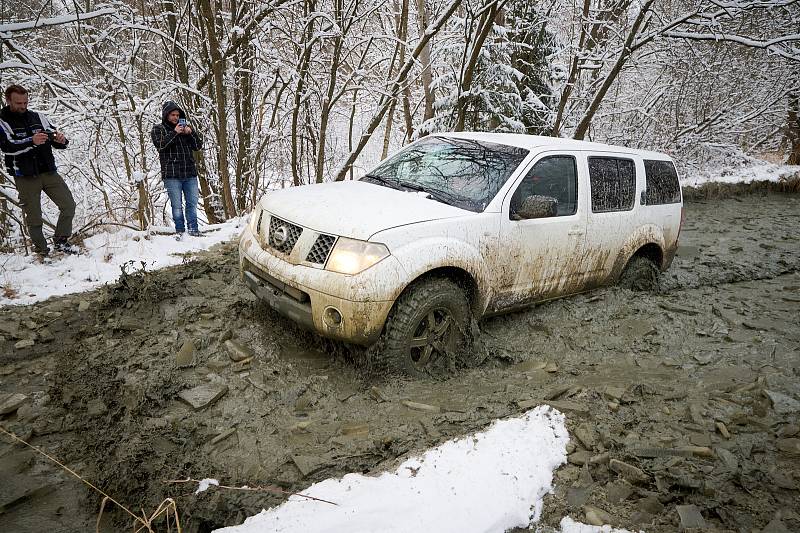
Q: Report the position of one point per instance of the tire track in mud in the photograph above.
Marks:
(103, 390)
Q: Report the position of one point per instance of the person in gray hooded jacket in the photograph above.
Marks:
(176, 142)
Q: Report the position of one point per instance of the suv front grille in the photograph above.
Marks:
(278, 228)
(321, 249)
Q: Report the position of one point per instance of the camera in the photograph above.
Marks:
(51, 135)
(182, 122)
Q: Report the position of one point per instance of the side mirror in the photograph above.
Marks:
(537, 206)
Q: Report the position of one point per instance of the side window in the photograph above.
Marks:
(613, 183)
(553, 177)
(662, 183)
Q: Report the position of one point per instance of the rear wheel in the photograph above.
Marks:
(430, 331)
(640, 274)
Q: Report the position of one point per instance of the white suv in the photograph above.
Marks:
(456, 227)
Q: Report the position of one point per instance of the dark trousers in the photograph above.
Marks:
(30, 190)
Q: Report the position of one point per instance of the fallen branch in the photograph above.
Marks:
(273, 490)
(144, 521)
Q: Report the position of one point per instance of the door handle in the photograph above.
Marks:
(575, 232)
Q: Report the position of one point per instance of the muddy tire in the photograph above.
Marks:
(430, 331)
(640, 274)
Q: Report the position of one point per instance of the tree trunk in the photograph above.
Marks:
(484, 27)
(425, 59)
(793, 129)
(302, 72)
(208, 15)
(328, 101)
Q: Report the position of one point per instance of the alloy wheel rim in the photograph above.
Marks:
(432, 337)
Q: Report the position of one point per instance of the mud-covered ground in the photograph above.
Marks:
(683, 406)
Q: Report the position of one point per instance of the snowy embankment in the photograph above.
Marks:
(486, 482)
(24, 280)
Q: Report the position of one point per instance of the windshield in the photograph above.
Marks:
(459, 172)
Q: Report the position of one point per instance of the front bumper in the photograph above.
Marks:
(303, 293)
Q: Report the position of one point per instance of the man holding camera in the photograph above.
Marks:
(27, 139)
(176, 142)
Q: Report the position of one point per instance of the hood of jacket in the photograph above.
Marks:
(168, 107)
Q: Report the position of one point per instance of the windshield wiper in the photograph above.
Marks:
(380, 180)
(439, 195)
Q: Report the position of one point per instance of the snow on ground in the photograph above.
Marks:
(23, 280)
(728, 164)
(486, 482)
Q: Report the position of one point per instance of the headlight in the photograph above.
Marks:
(351, 257)
(253, 223)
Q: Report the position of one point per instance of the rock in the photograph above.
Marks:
(83, 306)
(578, 496)
(650, 505)
(789, 430)
(780, 480)
(775, 525)
(781, 403)
(128, 323)
(421, 406)
(225, 336)
(569, 406)
(216, 365)
(96, 407)
(24, 343)
(727, 458)
(376, 394)
(586, 435)
(528, 366)
(185, 356)
(596, 516)
(690, 516)
(11, 329)
(238, 351)
(580, 457)
(723, 430)
(613, 393)
(640, 518)
(789, 446)
(618, 491)
(355, 430)
(308, 464)
(11, 402)
(601, 458)
(203, 396)
(629, 472)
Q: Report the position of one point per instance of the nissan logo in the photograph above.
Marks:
(280, 235)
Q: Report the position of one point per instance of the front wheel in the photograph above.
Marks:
(429, 332)
(640, 274)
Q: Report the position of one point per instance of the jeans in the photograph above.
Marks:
(30, 189)
(189, 189)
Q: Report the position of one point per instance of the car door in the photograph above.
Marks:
(541, 256)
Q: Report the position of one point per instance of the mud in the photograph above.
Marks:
(683, 405)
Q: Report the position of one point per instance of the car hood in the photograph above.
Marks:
(354, 209)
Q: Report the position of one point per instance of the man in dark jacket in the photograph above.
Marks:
(27, 140)
(176, 141)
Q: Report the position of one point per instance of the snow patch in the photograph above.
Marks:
(486, 482)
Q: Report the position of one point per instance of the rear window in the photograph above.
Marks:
(613, 183)
(662, 183)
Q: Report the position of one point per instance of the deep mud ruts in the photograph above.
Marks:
(710, 362)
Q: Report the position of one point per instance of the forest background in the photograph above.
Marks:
(289, 92)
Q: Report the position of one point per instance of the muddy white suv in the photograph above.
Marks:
(456, 227)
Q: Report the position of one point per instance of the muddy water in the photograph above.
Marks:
(710, 363)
